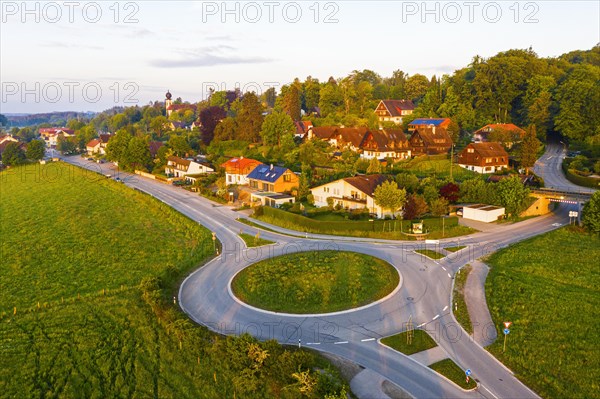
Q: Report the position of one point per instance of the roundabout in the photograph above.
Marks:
(315, 282)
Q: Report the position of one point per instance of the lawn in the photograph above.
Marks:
(548, 286)
(88, 264)
(460, 310)
(451, 371)
(315, 282)
(254, 241)
(421, 341)
(435, 165)
(455, 249)
(430, 253)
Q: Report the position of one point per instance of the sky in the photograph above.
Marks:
(91, 56)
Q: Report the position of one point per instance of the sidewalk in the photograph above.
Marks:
(474, 291)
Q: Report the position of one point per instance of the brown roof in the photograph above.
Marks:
(395, 107)
(104, 137)
(154, 147)
(491, 149)
(389, 139)
(303, 126)
(366, 184)
(428, 135)
(93, 143)
(351, 135)
(323, 132)
(177, 107)
(179, 161)
(487, 129)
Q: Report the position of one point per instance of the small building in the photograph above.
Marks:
(179, 167)
(483, 213)
(428, 122)
(351, 193)
(430, 141)
(237, 170)
(507, 133)
(483, 157)
(302, 128)
(394, 110)
(51, 134)
(273, 179)
(93, 146)
(274, 200)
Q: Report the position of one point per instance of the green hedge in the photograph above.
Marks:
(302, 223)
(578, 179)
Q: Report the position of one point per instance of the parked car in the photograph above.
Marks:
(459, 212)
(90, 159)
(118, 179)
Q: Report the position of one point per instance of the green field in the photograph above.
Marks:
(315, 282)
(460, 310)
(548, 286)
(451, 371)
(254, 241)
(421, 341)
(455, 249)
(430, 254)
(435, 165)
(103, 262)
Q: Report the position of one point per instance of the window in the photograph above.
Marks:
(488, 160)
(287, 178)
(470, 150)
(229, 179)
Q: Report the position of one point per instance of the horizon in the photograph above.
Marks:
(126, 63)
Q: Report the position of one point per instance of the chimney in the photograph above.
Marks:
(271, 166)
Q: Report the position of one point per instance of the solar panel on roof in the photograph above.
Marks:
(263, 170)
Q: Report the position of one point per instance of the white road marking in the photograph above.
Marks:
(449, 275)
(444, 268)
(436, 316)
(420, 325)
(367, 340)
(340, 342)
(488, 391)
(313, 343)
(446, 307)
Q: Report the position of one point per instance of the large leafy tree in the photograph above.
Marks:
(36, 150)
(13, 154)
(117, 146)
(209, 118)
(415, 207)
(137, 155)
(278, 129)
(591, 214)
(249, 118)
(179, 145)
(225, 130)
(512, 195)
(65, 145)
(291, 102)
(389, 196)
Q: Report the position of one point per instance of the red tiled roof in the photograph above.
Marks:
(395, 107)
(50, 131)
(93, 143)
(104, 137)
(179, 161)
(240, 164)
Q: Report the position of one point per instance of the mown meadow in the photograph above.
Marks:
(87, 272)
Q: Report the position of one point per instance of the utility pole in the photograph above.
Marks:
(451, 159)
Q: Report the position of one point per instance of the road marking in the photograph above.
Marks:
(313, 343)
(489, 391)
(444, 268)
(449, 275)
(367, 340)
(436, 316)
(340, 342)
(420, 325)
(446, 307)
(437, 263)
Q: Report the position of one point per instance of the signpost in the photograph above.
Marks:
(468, 374)
(572, 216)
(506, 331)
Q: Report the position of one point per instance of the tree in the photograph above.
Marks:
(416, 86)
(415, 207)
(389, 196)
(374, 166)
(3, 120)
(408, 181)
(512, 195)
(209, 118)
(454, 131)
(450, 192)
(278, 129)
(225, 130)
(477, 190)
(36, 150)
(291, 102)
(591, 214)
(138, 155)
(330, 98)
(179, 145)
(270, 96)
(529, 148)
(439, 206)
(13, 154)
(117, 146)
(65, 145)
(159, 125)
(249, 118)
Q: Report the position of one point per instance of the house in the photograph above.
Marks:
(7, 138)
(273, 179)
(187, 168)
(177, 125)
(507, 133)
(51, 134)
(154, 146)
(429, 122)
(483, 157)
(321, 133)
(196, 124)
(351, 193)
(93, 146)
(430, 141)
(274, 200)
(237, 170)
(394, 110)
(302, 128)
(385, 143)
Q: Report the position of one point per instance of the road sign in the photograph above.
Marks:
(506, 331)
(507, 324)
(468, 372)
(432, 242)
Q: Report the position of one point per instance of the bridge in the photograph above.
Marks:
(567, 195)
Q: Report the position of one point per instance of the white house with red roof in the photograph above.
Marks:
(93, 147)
(179, 167)
(237, 170)
(51, 134)
(394, 110)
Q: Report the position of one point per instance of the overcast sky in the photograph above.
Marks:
(90, 56)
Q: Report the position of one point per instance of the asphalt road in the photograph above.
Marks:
(549, 167)
(424, 296)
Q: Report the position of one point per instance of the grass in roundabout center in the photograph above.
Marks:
(455, 249)
(451, 371)
(548, 287)
(421, 341)
(460, 309)
(315, 282)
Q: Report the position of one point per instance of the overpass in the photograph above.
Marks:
(567, 195)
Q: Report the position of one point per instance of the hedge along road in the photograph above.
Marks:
(424, 296)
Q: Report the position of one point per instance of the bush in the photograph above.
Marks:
(259, 211)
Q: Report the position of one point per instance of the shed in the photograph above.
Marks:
(483, 213)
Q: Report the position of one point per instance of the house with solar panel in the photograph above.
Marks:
(273, 185)
(429, 122)
(237, 170)
(394, 110)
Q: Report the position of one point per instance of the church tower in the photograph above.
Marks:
(168, 103)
